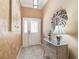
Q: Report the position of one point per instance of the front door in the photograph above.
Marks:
(31, 31)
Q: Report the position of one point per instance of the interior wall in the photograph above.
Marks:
(10, 43)
(4, 15)
(71, 29)
(30, 12)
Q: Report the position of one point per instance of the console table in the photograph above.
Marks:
(54, 51)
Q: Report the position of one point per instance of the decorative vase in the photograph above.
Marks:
(58, 39)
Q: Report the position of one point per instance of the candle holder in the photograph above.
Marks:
(49, 34)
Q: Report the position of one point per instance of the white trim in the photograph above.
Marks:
(19, 52)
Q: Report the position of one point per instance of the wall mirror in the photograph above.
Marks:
(16, 17)
(59, 20)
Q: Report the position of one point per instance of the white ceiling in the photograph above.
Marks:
(29, 3)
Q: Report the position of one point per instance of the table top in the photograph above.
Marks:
(54, 42)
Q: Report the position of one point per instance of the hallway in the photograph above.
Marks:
(33, 52)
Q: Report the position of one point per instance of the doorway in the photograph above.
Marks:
(31, 31)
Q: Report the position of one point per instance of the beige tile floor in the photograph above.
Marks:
(33, 52)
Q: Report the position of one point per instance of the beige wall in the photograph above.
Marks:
(71, 28)
(9, 42)
(30, 12)
(4, 15)
(9, 45)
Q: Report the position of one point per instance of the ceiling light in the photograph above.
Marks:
(35, 3)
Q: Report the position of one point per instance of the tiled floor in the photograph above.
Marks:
(33, 52)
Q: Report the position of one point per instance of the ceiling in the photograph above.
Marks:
(29, 3)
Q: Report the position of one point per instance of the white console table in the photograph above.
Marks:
(54, 51)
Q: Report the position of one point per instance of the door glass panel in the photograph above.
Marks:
(34, 26)
(25, 25)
